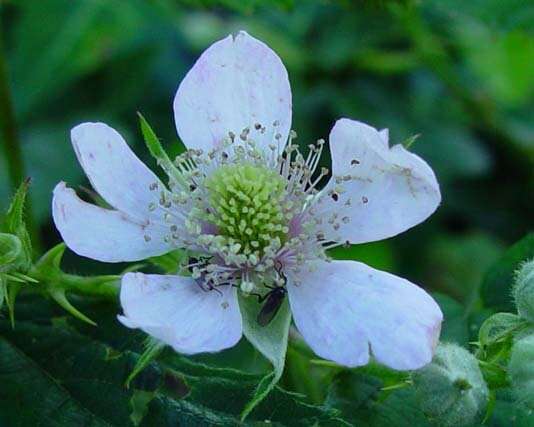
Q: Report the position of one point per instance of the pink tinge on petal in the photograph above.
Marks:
(177, 311)
(237, 83)
(345, 310)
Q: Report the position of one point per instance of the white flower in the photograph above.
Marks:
(244, 200)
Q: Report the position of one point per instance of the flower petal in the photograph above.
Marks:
(391, 189)
(177, 311)
(345, 308)
(236, 83)
(114, 170)
(102, 234)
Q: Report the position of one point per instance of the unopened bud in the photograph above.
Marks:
(451, 389)
(521, 371)
(524, 291)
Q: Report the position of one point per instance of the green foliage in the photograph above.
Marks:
(451, 389)
(362, 397)
(455, 327)
(59, 372)
(497, 285)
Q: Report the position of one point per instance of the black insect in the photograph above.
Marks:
(273, 299)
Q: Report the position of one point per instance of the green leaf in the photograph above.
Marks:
(30, 397)
(269, 340)
(92, 364)
(360, 396)
(496, 291)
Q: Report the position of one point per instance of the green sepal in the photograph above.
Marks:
(11, 295)
(270, 340)
(14, 224)
(153, 348)
(156, 150)
(408, 142)
(498, 328)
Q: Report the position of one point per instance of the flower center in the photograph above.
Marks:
(248, 204)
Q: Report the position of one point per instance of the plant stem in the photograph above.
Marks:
(105, 287)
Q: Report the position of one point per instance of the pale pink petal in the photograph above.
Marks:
(344, 309)
(177, 311)
(236, 83)
(390, 190)
(115, 172)
(102, 234)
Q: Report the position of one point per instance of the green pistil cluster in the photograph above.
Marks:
(248, 205)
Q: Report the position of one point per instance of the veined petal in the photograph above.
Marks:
(344, 309)
(390, 189)
(236, 83)
(102, 234)
(115, 172)
(177, 311)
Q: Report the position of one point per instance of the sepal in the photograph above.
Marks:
(523, 291)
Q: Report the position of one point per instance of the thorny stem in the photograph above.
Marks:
(104, 287)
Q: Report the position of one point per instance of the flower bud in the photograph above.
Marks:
(11, 252)
(521, 371)
(451, 389)
(523, 291)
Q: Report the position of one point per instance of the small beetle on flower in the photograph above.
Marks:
(246, 202)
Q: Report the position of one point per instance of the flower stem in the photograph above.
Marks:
(104, 287)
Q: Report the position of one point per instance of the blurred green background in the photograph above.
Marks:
(459, 73)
